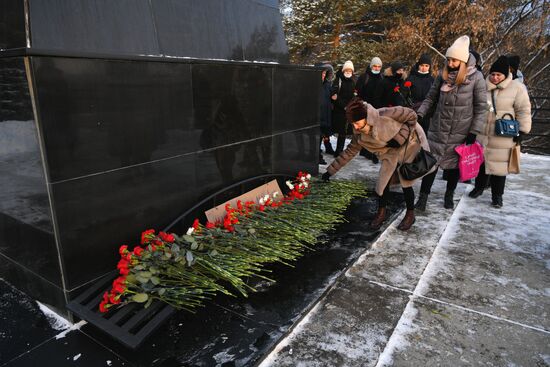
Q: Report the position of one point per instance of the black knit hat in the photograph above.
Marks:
(356, 110)
(425, 59)
(514, 61)
(396, 65)
(501, 66)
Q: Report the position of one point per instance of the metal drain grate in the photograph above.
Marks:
(130, 324)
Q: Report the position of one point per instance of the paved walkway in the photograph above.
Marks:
(464, 287)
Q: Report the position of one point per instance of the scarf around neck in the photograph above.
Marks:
(450, 84)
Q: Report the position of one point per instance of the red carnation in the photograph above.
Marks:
(196, 223)
(210, 225)
(408, 84)
(138, 250)
(167, 237)
(103, 308)
(147, 235)
(396, 89)
(123, 249)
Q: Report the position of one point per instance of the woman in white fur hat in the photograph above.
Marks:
(343, 90)
(459, 95)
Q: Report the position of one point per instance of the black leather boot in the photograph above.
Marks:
(476, 192)
(497, 201)
(407, 221)
(422, 201)
(379, 218)
(448, 203)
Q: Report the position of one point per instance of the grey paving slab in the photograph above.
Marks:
(349, 327)
(399, 258)
(442, 335)
(498, 260)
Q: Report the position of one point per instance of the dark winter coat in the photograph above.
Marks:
(421, 84)
(391, 98)
(369, 88)
(325, 115)
(458, 112)
(344, 88)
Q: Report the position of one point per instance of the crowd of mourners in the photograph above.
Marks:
(391, 116)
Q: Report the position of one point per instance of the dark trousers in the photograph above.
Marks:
(451, 175)
(407, 191)
(497, 182)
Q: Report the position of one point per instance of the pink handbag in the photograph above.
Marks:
(470, 158)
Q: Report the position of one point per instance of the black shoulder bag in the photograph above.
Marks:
(422, 163)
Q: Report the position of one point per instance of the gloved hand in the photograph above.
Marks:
(393, 144)
(518, 139)
(470, 139)
(326, 177)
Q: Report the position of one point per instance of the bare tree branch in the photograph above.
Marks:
(510, 28)
(540, 71)
(537, 55)
(430, 46)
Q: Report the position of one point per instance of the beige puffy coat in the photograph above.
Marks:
(510, 97)
(386, 124)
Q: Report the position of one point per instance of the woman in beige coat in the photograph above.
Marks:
(384, 132)
(505, 96)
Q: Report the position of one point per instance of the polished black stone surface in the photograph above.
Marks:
(19, 314)
(232, 103)
(98, 115)
(112, 27)
(98, 213)
(12, 24)
(213, 29)
(296, 151)
(26, 229)
(294, 98)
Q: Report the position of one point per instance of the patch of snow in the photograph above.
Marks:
(223, 357)
(77, 356)
(76, 326)
(398, 339)
(109, 363)
(57, 322)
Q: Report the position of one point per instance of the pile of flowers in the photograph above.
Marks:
(185, 270)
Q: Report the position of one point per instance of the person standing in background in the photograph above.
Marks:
(459, 95)
(369, 88)
(343, 90)
(421, 81)
(325, 113)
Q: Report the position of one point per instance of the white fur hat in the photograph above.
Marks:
(460, 49)
(348, 65)
(375, 61)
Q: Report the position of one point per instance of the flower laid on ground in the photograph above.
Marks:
(220, 257)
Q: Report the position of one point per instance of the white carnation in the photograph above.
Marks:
(190, 231)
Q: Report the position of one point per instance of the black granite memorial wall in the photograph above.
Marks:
(103, 135)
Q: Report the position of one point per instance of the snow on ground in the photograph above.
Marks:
(463, 277)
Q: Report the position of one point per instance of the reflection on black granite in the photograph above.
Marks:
(26, 230)
(98, 115)
(12, 25)
(216, 29)
(239, 331)
(18, 313)
(296, 151)
(103, 26)
(231, 103)
(97, 214)
(291, 112)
